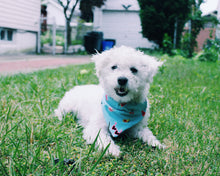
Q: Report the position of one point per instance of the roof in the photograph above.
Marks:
(121, 5)
(55, 4)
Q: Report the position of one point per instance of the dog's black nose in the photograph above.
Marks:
(122, 81)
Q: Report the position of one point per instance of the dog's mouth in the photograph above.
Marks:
(121, 91)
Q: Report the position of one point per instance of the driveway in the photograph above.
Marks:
(30, 63)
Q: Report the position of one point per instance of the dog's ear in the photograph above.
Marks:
(151, 67)
(100, 61)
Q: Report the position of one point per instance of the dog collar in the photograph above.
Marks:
(122, 116)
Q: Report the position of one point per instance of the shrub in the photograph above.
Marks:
(212, 44)
(60, 40)
(186, 46)
(211, 50)
(167, 44)
(211, 56)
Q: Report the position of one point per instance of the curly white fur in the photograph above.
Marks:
(111, 65)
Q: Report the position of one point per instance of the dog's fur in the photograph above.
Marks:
(122, 62)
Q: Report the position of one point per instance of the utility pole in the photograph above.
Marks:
(54, 36)
(38, 37)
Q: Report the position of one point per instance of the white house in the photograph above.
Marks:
(119, 20)
(19, 25)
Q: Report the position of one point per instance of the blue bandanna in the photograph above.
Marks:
(122, 116)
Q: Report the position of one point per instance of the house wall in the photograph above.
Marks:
(55, 12)
(23, 41)
(118, 5)
(125, 27)
(120, 24)
(21, 17)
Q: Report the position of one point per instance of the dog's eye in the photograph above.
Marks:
(114, 67)
(133, 70)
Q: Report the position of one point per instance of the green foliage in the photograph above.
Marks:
(197, 22)
(209, 55)
(212, 44)
(86, 8)
(47, 38)
(157, 52)
(184, 115)
(59, 40)
(77, 42)
(158, 17)
(167, 44)
(211, 51)
(186, 46)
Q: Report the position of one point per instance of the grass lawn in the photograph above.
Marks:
(185, 101)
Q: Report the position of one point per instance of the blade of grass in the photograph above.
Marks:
(3, 138)
(3, 169)
(99, 159)
(93, 144)
(14, 167)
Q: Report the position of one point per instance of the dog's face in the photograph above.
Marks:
(125, 73)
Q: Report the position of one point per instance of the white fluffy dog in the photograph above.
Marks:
(119, 103)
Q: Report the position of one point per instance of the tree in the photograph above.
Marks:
(86, 7)
(68, 8)
(196, 23)
(159, 17)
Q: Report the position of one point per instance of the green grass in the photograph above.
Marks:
(185, 101)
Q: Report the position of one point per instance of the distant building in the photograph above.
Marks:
(19, 25)
(119, 20)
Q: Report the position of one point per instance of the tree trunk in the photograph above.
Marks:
(68, 33)
(67, 40)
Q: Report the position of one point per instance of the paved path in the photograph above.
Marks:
(29, 63)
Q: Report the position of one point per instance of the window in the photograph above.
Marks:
(2, 34)
(6, 34)
(10, 35)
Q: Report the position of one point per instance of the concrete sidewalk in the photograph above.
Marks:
(29, 63)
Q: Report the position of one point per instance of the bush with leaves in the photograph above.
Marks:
(215, 44)
(167, 44)
(186, 50)
(211, 51)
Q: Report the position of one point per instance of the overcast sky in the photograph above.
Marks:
(209, 6)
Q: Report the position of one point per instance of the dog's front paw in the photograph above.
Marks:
(162, 146)
(156, 143)
(114, 150)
